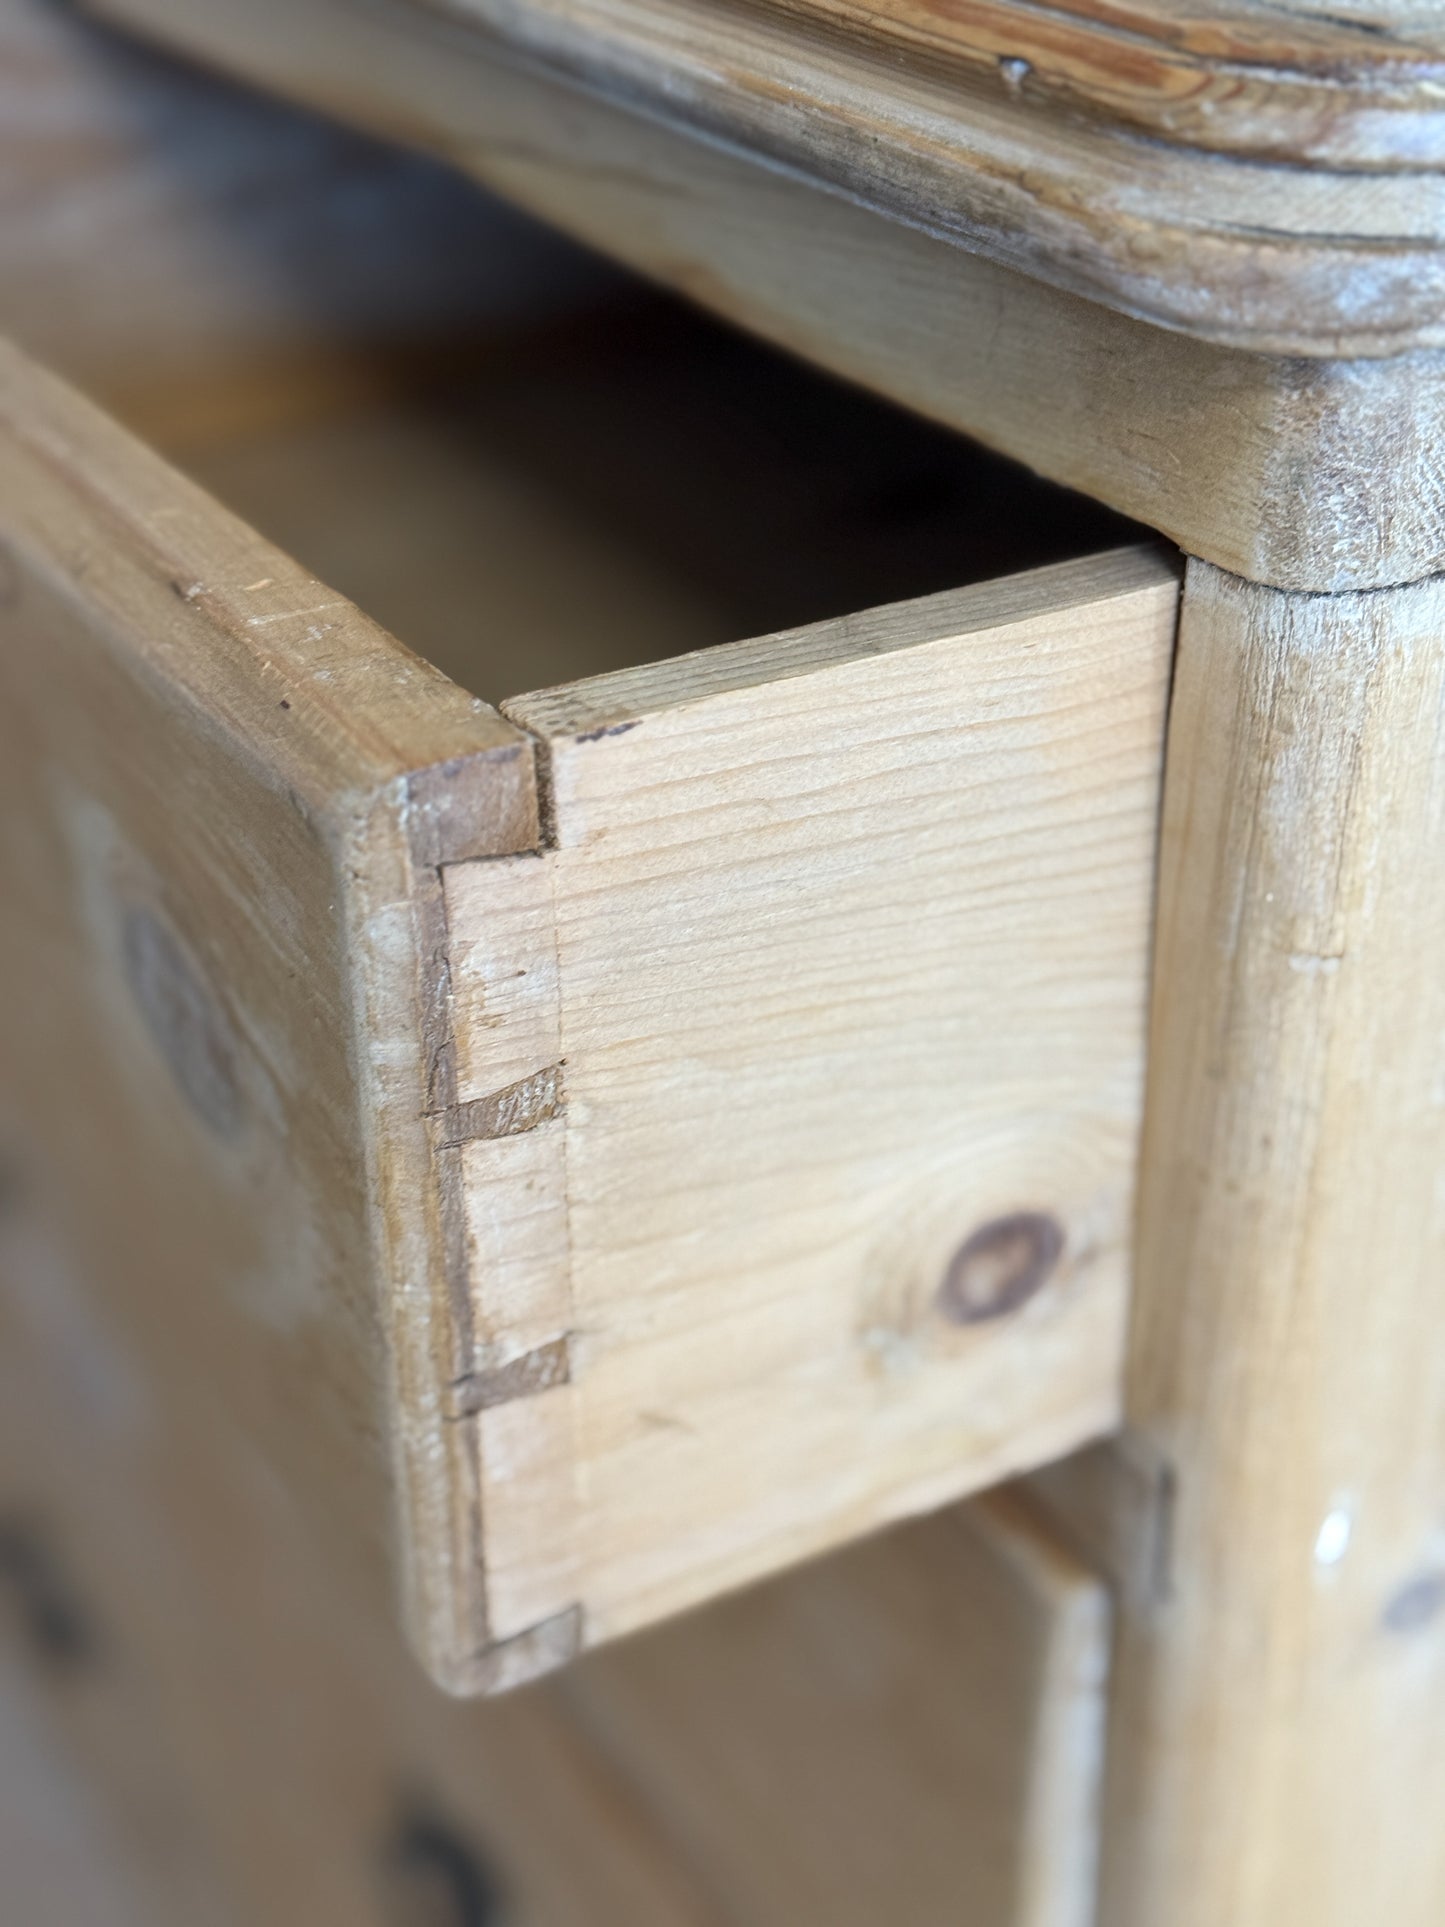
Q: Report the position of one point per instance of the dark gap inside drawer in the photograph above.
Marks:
(526, 463)
(641, 483)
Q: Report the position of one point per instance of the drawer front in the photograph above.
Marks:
(625, 1146)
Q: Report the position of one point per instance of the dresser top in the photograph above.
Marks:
(1361, 86)
(1256, 173)
(1249, 171)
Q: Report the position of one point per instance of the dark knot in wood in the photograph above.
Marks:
(1000, 1267)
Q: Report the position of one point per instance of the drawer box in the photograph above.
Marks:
(658, 1131)
(600, 1145)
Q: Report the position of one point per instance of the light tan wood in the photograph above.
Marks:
(64, 1866)
(227, 796)
(196, 255)
(796, 1087)
(1275, 1750)
(911, 1731)
(1288, 200)
(1315, 476)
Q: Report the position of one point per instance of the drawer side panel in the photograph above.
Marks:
(226, 799)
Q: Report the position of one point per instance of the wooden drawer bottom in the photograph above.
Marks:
(215, 1732)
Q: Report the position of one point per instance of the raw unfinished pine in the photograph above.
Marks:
(1274, 1743)
(244, 1734)
(1312, 474)
(800, 1076)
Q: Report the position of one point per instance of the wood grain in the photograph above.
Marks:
(227, 797)
(606, 496)
(1274, 1746)
(1288, 203)
(843, 989)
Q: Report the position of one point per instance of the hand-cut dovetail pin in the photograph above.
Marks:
(1000, 1267)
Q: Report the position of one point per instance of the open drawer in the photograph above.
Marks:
(610, 1144)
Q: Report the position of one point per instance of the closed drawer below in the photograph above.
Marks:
(201, 1727)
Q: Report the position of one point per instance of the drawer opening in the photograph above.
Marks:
(525, 462)
(638, 483)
